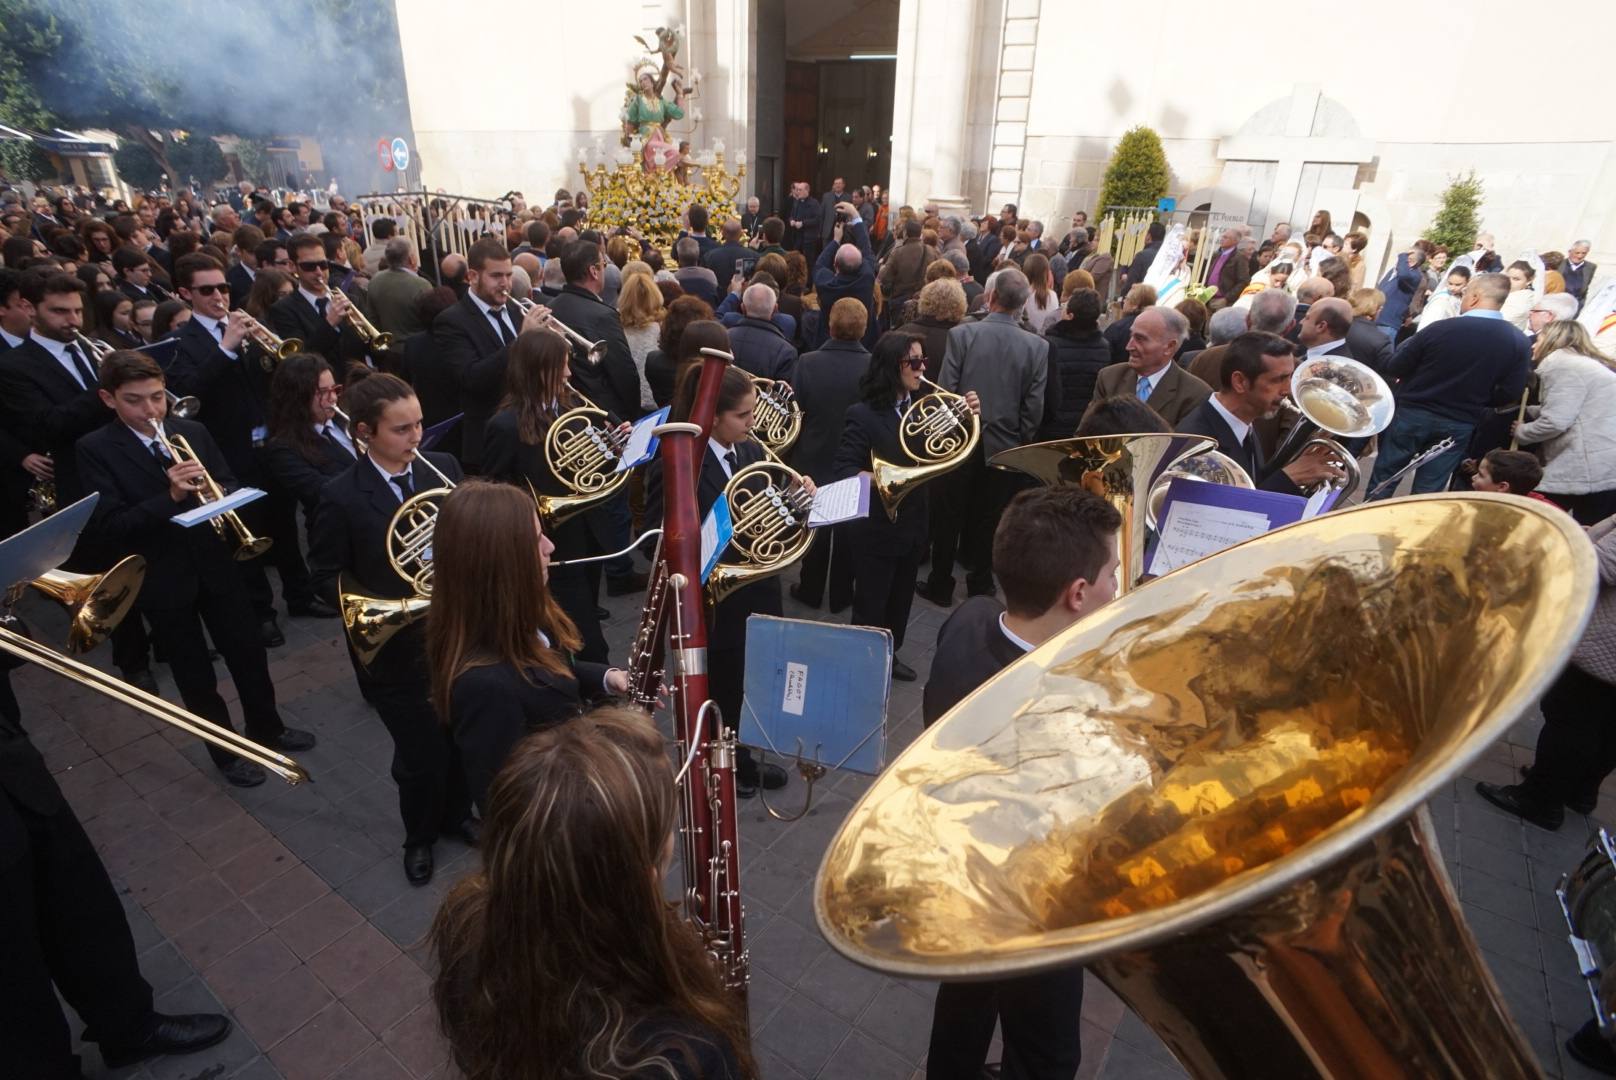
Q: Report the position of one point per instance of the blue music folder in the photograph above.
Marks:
(819, 690)
(1198, 519)
(434, 434)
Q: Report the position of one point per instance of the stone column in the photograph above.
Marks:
(931, 102)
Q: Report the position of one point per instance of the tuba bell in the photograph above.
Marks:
(1211, 467)
(1121, 469)
(944, 431)
(96, 603)
(1211, 794)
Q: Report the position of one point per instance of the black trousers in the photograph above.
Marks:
(61, 924)
(221, 605)
(1576, 749)
(576, 589)
(131, 648)
(965, 511)
(1589, 509)
(884, 590)
(1040, 1015)
(820, 566)
(432, 793)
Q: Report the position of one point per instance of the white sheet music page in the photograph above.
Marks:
(1195, 530)
(842, 501)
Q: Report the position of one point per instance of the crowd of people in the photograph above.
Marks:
(109, 314)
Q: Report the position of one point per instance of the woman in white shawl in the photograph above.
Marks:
(1525, 285)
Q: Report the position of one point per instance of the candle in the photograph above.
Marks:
(583, 156)
(718, 146)
(740, 157)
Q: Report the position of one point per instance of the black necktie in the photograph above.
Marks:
(319, 305)
(405, 488)
(163, 460)
(498, 315)
(86, 372)
(733, 460)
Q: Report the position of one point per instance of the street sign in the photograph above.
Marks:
(401, 155)
(1167, 206)
(384, 155)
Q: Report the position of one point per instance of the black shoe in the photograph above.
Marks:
(625, 584)
(743, 790)
(1585, 804)
(269, 632)
(418, 864)
(602, 614)
(938, 597)
(294, 739)
(243, 773)
(170, 1035)
(979, 590)
(1515, 800)
(314, 609)
(1592, 1049)
(797, 595)
(470, 830)
(141, 680)
(902, 671)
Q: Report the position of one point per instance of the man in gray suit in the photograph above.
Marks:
(1149, 373)
(394, 289)
(1009, 370)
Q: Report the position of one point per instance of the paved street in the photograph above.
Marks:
(288, 907)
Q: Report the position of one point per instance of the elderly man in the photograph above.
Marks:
(1223, 327)
(1009, 370)
(758, 345)
(1309, 293)
(1550, 308)
(1272, 311)
(752, 217)
(1231, 269)
(394, 289)
(846, 269)
(452, 270)
(1487, 260)
(802, 220)
(224, 218)
(828, 202)
(1577, 272)
(1324, 331)
(1448, 377)
(950, 235)
(1282, 233)
(1149, 372)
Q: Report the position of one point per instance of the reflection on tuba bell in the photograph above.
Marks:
(372, 621)
(1121, 469)
(96, 602)
(769, 507)
(1211, 792)
(939, 431)
(1212, 467)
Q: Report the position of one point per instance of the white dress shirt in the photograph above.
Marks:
(1236, 425)
(336, 433)
(492, 313)
(720, 450)
(388, 477)
(1324, 347)
(58, 349)
(1019, 642)
(214, 327)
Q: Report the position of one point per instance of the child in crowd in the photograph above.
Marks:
(1513, 471)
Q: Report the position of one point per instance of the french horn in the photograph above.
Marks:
(938, 431)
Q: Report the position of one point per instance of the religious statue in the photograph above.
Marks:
(646, 113)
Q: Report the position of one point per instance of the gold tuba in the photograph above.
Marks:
(1340, 396)
(228, 525)
(769, 507)
(1121, 469)
(1210, 793)
(947, 431)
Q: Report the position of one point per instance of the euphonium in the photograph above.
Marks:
(228, 525)
(582, 450)
(409, 534)
(96, 603)
(1338, 395)
(944, 431)
(777, 420)
(1211, 793)
(769, 507)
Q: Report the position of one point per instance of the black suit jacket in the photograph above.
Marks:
(721, 261)
(492, 707)
(348, 539)
(826, 383)
(155, 293)
(614, 383)
(869, 433)
(469, 347)
(1206, 420)
(241, 283)
(727, 623)
(971, 649)
(285, 469)
(134, 514)
(436, 384)
(234, 393)
(292, 316)
(507, 458)
(1368, 345)
(48, 412)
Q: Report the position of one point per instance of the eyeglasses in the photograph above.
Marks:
(311, 267)
(209, 290)
(329, 391)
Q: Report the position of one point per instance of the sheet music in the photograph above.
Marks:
(1195, 530)
(716, 532)
(641, 443)
(210, 510)
(842, 501)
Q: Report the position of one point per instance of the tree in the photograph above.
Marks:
(23, 31)
(198, 156)
(1137, 174)
(22, 159)
(137, 165)
(253, 156)
(1458, 219)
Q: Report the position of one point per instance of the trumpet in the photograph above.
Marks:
(947, 429)
(228, 525)
(778, 420)
(593, 350)
(272, 347)
(183, 407)
(372, 337)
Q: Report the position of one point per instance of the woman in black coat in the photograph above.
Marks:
(886, 551)
(500, 648)
(536, 394)
(663, 363)
(1077, 352)
(307, 445)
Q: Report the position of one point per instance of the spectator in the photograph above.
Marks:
(1078, 353)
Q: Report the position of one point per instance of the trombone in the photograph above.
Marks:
(183, 407)
(593, 350)
(228, 525)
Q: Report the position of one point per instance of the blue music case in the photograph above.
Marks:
(819, 690)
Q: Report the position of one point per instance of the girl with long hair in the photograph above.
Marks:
(1523, 294)
(1574, 426)
(307, 446)
(639, 306)
(559, 956)
(500, 647)
(886, 551)
(536, 393)
(268, 286)
(1043, 307)
(114, 314)
(348, 543)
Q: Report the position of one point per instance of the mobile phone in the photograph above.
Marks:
(744, 267)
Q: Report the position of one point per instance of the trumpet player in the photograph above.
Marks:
(191, 576)
(315, 312)
(348, 542)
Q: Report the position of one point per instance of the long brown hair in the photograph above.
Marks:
(1038, 273)
(489, 597)
(552, 953)
(536, 382)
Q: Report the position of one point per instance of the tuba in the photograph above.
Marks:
(229, 526)
(1121, 469)
(1342, 397)
(778, 418)
(944, 431)
(1211, 794)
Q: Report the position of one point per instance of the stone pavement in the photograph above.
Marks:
(288, 908)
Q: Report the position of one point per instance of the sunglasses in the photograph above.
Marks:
(915, 363)
(209, 290)
(311, 267)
